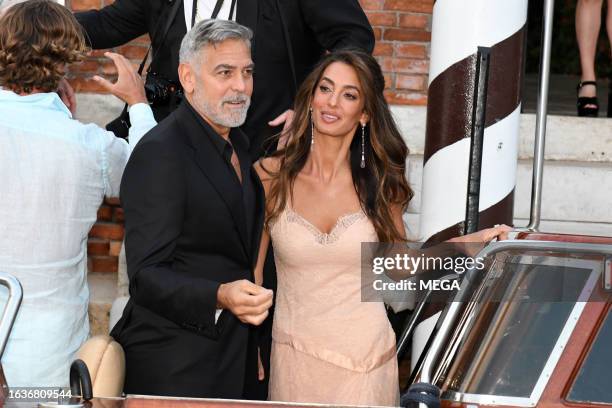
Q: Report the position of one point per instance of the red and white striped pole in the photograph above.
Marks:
(458, 29)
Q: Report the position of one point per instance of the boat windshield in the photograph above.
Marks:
(525, 312)
(593, 381)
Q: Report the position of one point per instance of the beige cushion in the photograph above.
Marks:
(106, 363)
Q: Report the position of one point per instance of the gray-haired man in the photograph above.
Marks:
(194, 214)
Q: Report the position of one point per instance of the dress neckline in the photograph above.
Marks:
(343, 222)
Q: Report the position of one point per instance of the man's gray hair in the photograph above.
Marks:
(212, 32)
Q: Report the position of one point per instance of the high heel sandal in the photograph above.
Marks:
(583, 101)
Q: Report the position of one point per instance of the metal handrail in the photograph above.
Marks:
(542, 110)
(414, 317)
(11, 308)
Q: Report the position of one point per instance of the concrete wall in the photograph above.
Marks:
(577, 191)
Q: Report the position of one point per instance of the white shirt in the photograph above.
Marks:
(205, 10)
(54, 174)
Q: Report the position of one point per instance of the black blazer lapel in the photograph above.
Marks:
(246, 14)
(216, 170)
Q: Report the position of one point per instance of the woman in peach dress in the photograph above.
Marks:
(338, 182)
(341, 182)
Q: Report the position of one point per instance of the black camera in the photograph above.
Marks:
(160, 91)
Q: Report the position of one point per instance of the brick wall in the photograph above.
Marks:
(80, 74)
(402, 29)
(105, 238)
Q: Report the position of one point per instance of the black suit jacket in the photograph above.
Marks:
(314, 26)
(186, 233)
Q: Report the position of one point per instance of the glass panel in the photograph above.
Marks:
(593, 383)
(517, 323)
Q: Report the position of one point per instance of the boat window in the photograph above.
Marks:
(517, 325)
(593, 381)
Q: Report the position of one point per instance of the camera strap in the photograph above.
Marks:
(217, 9)
(172, 15)
(215, 12)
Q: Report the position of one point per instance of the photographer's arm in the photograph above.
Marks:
(129, 87)
(338, 24)
(115, 24)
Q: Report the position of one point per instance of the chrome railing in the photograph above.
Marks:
(11, 308)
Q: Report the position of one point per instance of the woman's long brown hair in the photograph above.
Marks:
(381, 185)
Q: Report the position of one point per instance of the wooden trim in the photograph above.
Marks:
(580, 239)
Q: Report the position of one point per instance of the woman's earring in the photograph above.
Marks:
(363, 145)
(312, 137)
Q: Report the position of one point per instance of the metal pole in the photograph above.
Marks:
(542, 110)
(476, 139)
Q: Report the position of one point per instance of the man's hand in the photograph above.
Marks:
(286, 117)
(247, 301)
(129, 86)
(66, 93)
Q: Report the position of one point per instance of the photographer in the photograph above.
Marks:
(55, 174)
(289, 38)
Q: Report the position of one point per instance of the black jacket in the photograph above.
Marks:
(314, 26)
(187, 231)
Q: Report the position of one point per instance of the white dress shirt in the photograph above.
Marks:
(54, 174)
(205, 10)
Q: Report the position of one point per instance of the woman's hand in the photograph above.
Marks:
(486, 235)
(469, 244)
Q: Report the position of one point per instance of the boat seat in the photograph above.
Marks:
(105, 360)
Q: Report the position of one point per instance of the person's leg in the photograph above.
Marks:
(609, 25)
(588, 23)
(609, 30)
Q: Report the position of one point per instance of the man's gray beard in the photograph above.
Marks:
(233, 119)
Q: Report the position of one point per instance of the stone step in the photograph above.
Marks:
(568, 138)
(577, 184)
(102, 293)
(573, 194)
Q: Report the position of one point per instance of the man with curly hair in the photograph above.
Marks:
(55, 173)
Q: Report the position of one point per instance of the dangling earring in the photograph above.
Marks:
(363, 145)
(312, 137)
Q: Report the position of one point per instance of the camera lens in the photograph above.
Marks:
(159, 90)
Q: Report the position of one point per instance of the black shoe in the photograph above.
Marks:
(583, 101)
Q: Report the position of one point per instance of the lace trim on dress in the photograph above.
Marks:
(323, 238)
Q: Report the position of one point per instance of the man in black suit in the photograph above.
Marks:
(194, 211)
(289, 38)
